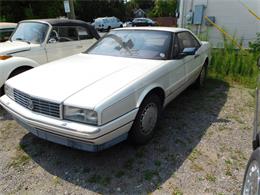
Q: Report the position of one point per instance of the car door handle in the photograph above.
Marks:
(197, 55)
(80, 46)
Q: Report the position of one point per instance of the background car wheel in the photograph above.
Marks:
(2, 91)
(200, 82)
(109, 28)
(19, 71)
(14, 73)
(252, 175)
(146, 120)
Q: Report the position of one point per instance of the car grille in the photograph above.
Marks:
(37, 105)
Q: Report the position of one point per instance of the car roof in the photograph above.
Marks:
(67, 22)
(169, 29)
(4, 25)
(60, 22)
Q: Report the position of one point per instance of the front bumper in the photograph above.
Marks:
(76, 135)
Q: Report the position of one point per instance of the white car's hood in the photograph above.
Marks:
(9, 47)
(65, 78)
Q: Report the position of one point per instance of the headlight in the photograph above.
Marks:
(80, 115)
(5, 57)
(9, 91)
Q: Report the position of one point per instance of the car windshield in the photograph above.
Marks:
(31, 32)
(144, 44)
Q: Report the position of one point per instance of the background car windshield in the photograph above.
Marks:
(146, 44)
(30, 32)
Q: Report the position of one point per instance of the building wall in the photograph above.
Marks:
(229, 14)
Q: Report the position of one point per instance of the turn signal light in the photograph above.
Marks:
(4, 57)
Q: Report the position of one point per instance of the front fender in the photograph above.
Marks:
(145, 92)
(9, 65)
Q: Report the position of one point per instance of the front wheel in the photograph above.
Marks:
(252, 175)
(146, 120)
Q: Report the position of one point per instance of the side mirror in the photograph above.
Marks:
(258, 62)
(189, 51)
(52, 40)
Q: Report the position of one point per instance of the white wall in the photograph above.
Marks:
(230, 15)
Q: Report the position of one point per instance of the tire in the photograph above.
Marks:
(18, 71)
(146, 120)
(108, 28)
(200, 81)
(2, 92)
(14, 73)
(252, 175)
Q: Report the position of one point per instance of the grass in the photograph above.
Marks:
(99, 180)
(177, 191)
(20, 159)
(234, 65)
(149, 174)
(120, 174)
(157, 163)
(196, 167)
(210, 177)
(194, 155)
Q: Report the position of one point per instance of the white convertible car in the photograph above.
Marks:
(113, 91)
(36, 42)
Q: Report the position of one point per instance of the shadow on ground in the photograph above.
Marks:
(128, 169)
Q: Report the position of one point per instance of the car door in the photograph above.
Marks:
(177, 69)
(63, 41)
(193, 63)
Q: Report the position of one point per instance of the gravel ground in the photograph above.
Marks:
(201, 146)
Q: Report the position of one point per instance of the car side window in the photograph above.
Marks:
(5, 34)
(83, 33)
(187, 40)
(63, 34)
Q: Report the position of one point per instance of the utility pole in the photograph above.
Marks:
(69, 9)
(72, 12)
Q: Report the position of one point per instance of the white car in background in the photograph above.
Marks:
(113, 91)
(107, 23)
(36, 42)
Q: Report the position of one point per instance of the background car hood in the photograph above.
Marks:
(11, 47)
(65, 78)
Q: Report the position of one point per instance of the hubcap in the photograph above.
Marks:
(251, 185)
(202, 76)
(149, 118)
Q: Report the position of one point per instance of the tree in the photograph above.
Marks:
(89, 10)
(30, 9)
(163, 8)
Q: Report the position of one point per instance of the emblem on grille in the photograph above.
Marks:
(30, 104)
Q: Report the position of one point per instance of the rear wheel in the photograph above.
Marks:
(146, 120)
(200, 82)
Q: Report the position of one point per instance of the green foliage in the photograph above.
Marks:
(30, 9)
(89, 10)
(255, 46)
(234, 65)
(163, 8)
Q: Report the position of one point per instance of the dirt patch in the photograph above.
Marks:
(201, 146)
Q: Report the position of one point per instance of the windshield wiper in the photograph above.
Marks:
(20, 39)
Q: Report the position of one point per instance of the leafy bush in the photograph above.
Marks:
(234, 65)
(255, 46)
